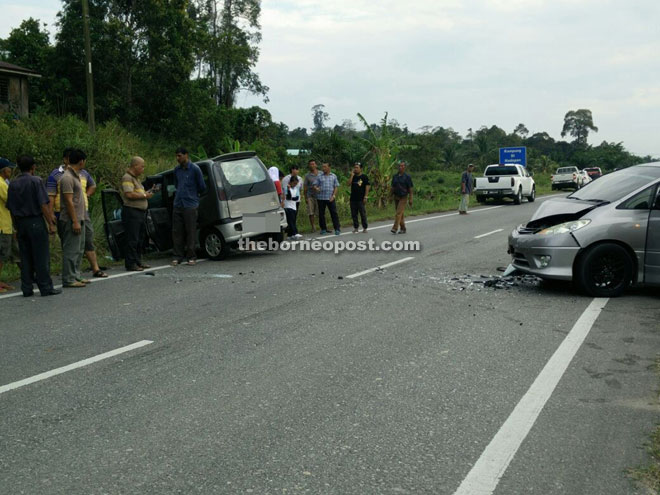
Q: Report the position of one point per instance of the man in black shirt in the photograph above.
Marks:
(28, 203)
(360, 186)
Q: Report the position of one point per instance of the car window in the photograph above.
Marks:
(614, 186)
(566, 170)
(640, 201)
(501, 171)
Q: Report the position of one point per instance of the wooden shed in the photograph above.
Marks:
(14, 95)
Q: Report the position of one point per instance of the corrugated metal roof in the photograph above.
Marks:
(15, 69)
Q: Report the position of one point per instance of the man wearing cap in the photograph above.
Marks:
(134, 214)
(6, 227)
(28, 203)
(190, 186)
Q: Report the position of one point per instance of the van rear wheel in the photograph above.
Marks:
(214, 245)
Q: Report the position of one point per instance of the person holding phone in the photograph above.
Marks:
(134, 214)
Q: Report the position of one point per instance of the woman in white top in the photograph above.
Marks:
(291, 197)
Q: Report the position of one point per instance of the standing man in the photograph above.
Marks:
(327, 185)
(28, 203)
(190, 186)
(89, 188)
(359, 184)
(52, 184)
(72, 221)
(134, 214)
(310, 191)
(6, 226)
(466, 190)
(402, 188)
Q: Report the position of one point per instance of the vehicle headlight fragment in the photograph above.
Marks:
(565, 227)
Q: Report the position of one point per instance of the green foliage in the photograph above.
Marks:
(382, 151)
(578, 123)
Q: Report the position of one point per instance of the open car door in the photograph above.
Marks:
(159, 215)
(114, 230)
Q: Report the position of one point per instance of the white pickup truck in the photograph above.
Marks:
(505, 181)
(567, 177)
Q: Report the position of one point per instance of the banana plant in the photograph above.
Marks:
(383, 148)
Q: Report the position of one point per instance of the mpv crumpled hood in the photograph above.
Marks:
(559, 210)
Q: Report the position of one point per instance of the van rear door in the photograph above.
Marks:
(247, 186)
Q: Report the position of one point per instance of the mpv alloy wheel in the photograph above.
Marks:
(604, 270)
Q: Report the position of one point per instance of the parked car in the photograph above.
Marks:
(505, 181)
(585, 178)
(594, 172)
(603, 237)
(566, 177)
(237, 184)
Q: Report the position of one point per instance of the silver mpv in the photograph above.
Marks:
(604, 236)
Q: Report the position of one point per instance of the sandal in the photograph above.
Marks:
(75, 285)
(100, 274)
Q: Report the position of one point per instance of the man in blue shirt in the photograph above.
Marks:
(29, 206)
(190, 186)
(327, 184)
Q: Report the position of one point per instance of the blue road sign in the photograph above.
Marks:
(514, 156)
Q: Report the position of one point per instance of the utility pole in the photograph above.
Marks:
(88, 68)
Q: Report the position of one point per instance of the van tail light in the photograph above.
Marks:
(513, 182)
(552, 177)
(222, 196)
(574, 176)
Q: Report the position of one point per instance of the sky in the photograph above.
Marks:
(455, 63)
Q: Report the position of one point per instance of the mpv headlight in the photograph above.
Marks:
(564, 228)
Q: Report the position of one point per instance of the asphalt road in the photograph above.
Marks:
(268, 373)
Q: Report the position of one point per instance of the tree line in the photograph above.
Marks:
(173, 69)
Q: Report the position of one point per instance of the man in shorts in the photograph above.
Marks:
(310, 191)
(6, 226)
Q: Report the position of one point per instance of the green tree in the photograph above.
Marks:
(521, 130)
(578, 123)
(319, 117)
(29, 46)
(228, 49)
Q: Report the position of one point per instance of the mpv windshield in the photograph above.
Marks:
(614, 186)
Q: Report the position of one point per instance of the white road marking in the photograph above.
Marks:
(485, 475)
(488, 233)
(94, 280)
(413, 221)
(73, 366)
(370, 270)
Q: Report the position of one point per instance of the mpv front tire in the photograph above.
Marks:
(604, 270)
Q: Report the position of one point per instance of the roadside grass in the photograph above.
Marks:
(434, 192)
(648, 477)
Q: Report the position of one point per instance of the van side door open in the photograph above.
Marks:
(159, 216)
